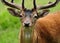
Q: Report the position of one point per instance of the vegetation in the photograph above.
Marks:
(10, 25)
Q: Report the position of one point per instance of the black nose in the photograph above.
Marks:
(26, 24)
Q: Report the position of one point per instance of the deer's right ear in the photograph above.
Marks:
(13, 12)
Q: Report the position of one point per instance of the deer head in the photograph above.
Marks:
(28, 16)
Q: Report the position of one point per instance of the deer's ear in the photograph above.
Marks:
(43, 13)
(13, 12)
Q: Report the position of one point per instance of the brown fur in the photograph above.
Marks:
(47, 29)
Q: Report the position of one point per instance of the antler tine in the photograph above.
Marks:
(11, 4)
(23, 4)
(34, 3)
(12, 1)
(53, 4)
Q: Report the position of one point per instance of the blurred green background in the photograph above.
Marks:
(10, 25)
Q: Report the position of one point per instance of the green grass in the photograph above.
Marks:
(10, 25)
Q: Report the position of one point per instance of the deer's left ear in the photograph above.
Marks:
(43, 13)
(13, 12)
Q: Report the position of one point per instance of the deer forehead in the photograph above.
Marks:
(27, 12)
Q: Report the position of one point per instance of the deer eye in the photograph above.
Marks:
(35, 15)
(21, 15)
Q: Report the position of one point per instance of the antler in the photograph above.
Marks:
(12, 1)
(13, 4)
(34, 3)
(23, 4)
(48, 5)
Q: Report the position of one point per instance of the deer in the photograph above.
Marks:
(47, 29)
(28, 17)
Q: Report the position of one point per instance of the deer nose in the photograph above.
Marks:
(26, 24)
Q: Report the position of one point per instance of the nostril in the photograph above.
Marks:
(26, 24)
